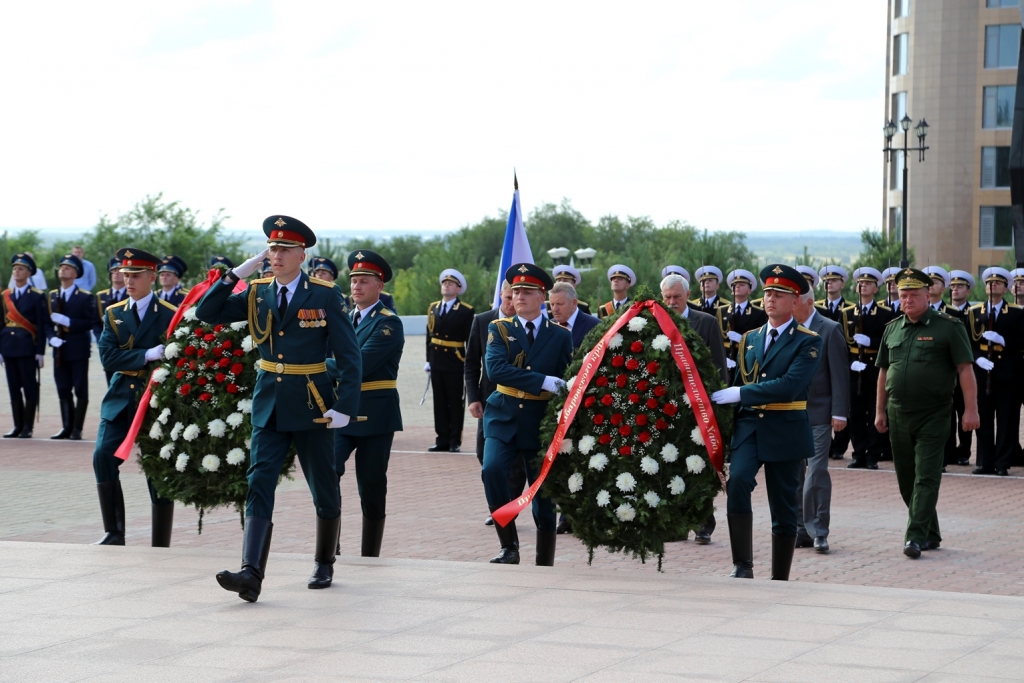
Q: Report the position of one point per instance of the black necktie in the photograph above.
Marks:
(283, 308)
(866, 309)
(774, 334)
(529, 331)
(440, 314)
(17, 294)
(356, 319)
(135, 314)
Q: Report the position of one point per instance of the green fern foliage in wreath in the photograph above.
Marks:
(633, 472)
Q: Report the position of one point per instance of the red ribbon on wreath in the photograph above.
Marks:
(124, 451)
(699, 401)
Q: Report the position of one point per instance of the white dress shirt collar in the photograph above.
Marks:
(781, 330)
(572, 319)
(142, 304)
(66, 293)
(536, 323)
(810, 318)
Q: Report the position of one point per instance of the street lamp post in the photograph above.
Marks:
(921, 130)
(584, 257)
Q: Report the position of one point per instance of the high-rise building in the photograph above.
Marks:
(953, 63)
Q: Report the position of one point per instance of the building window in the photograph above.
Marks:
(896, 172)
(995, 167)
(903, 8)
(997, 106)
(899, 106)
(896, 222)
(900, 43)
(996, 227)
(992, 3)
(1002, 45)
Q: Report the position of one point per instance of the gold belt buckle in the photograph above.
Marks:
(280, 368)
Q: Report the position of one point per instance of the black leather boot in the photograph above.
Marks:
(112, 509)
(79, 420)
(509, 539)
(30, 418)
(255, 548)
(782, 556)
(323, 555)
(546, 548)
(373, 534)
(741, 538)
(163, 522)
(18, 413)
(66, 412)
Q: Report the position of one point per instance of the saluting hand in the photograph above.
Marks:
(249, 267)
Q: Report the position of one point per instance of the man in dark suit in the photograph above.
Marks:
(22, 344)
(675, 290)
(828, 407)
(741, 315)
(958, 445)
(448, 323)
(72, 316)
(479, 386)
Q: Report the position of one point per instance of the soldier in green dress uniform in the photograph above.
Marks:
(921, 356)
(295, 322)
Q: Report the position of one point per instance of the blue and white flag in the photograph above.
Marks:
(516, 248)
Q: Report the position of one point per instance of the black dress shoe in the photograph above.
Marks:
(912, 550)
(702, 537)
(741, 571)
(437, 449)
(804, 542)
(489, 521)
(1000, 472)
(966, 462)
(983, 470)
(457, 448)
(821, 544)
(564, 527)
(509, 555)
(856, 465)
(871, 466)
(930, 545)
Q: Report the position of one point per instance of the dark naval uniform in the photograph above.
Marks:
(104, 299)
(739, 318)
(612, 307)
(868, 444)
(294, 332)
(447, 336)
(714, 306)
(381, 339)
(958, 445)
(127, 336)
(173, 264)
(22, 346)
(836, 312)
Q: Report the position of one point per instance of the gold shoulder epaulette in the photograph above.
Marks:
(582, 303)
(801, 328)
(385, 311)
(1014, 306)
(167, 304)
(976, 307)
(85, 291)
(322, 283)
(466, 305)
(102, 292)
(262, 281)
(695, 302)
(883, 306)
(119, 304)
(36, 290)
(54, 291)
(504, 320)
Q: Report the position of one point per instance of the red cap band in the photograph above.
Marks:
(527, 281)
(364, 268)
(287, 236)
(782, 283)
(138, 263)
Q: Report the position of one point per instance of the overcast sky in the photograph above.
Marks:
(746, 115)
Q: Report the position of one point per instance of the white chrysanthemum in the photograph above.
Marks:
(669, 453)
(649, 465)
(695, 464)
(190, 314)
(575, 482)
(615, 342)
(153, 403)
(625, 512)
(181, 463)
(566, 446)
(181, 332)
(247, 343)
(248, 443)
(245, 405)
(652, 499)
(160, 374)
(165, 414)
(660, 343)
(191, 432)
(570, 383)
(211, 463)
(167, 451)
(637, 324)
(234, 419)
(587, 444)
(598, 461)
(625, 481)
(240, 325)
(697, 437)
(603, 498)
(235, 456)
(217, 428)
(156, 431)
(176, 431)
(172, 350)
(686, 400)
(677, 485)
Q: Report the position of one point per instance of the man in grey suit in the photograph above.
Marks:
(828, 407)
(675, 291)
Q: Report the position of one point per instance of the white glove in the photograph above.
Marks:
(426, 368)
(727, 395)
(56, 342)
(857, 366)
(994, 337)
(337, 419)
(552, 384)
(730, 363)
(39, 359)
(155, 353)
(984, 363)
(251, 266)
(734, 336)
(60, 319)
(862, 339)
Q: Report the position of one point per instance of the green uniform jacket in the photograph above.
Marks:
(314, 326)
(381, 339)
(123, 346)
(783, 376)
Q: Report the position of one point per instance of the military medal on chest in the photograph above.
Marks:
(312, 317)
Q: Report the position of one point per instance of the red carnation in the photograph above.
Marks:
(201, 381)
(642, 385)
(641, 420)
(670, 409)
(618, 361)
(185, 388)
(236, 369)
(181, 363)
(602, 381)
(617, 419)
(218, 328)
(589, 401)
(626, 451)
(181, 373)
(190, 350)
(232, 388)
(632, 364)
(192, 365)
(205, 397)
(606, 400)
(652, 367)
(199, 332)
(660, 390)
(652, 403)
(644, 437)
(661, 425)
(200, 353)
(599, 419)
(637, 346)
(226, 344)
(634, 398)
(238, 352)
(210, 363)
(625, 430)
(621, 381)
(224, 362)
(604, 439)
(220, 377)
